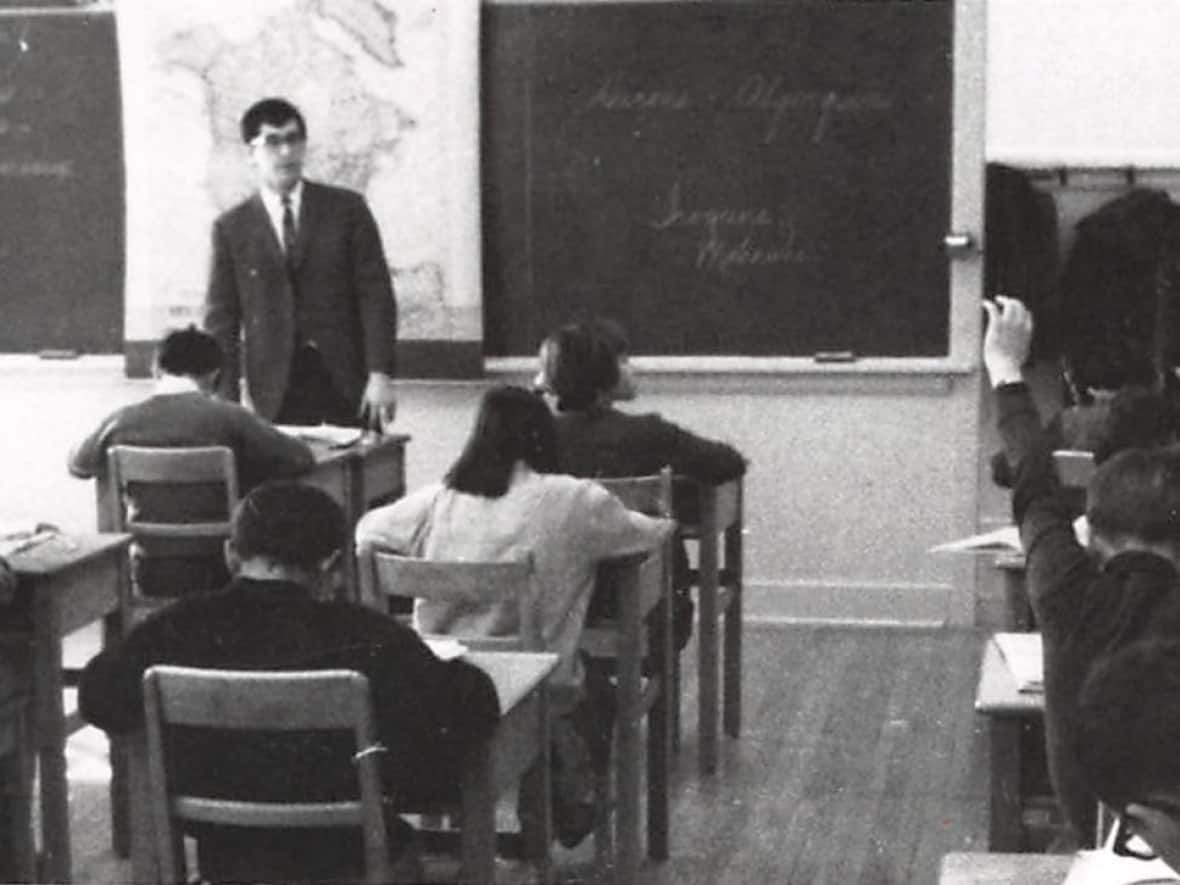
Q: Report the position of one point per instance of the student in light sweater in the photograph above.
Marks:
(500, 500)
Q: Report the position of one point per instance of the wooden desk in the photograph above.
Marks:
(65, 583)
(521, 738)
(963, 868)
(720, 591)
(1009, 713)
(1018, 614)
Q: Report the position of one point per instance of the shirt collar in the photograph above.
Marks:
(166, 384)
(274, 203)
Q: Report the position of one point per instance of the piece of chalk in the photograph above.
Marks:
(835, 356)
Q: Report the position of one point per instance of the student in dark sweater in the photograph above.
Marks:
(183, 411)
(287, 540)
(586, 368)
(1088, 602)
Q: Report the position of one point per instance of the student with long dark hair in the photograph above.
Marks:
(502, 499)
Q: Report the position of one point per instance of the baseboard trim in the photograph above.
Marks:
(864, 603)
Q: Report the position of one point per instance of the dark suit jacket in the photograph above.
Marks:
(340, 296)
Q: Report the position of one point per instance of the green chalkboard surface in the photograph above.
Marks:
(724, 178)
(61, 180)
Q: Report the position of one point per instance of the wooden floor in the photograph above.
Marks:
(860, 762)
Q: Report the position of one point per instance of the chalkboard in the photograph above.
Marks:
(61, 182)
(737, 178)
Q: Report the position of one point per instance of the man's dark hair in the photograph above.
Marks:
(1107, 365)
(273, 112)
(1127, 726)
(290, 523)
(189, 352)
(1137, 417)
(512, 425)
(579, 365)
(1136, 494)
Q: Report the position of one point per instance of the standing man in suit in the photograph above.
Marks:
(299, 296)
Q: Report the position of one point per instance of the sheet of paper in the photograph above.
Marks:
(1005, 539)
(1024, 655)
(1104, 867)
(445, 648)
(328, 434)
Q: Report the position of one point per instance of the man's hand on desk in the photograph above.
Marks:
(379, 402)
(1007, 339)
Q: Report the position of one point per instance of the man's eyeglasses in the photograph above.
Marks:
(273, 141)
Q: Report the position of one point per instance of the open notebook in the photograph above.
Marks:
(1024, 655)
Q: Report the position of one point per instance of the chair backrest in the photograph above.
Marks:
(474, 584)
(647, 494)
(323, 700)
(145, 466)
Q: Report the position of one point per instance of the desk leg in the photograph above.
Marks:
(478, 836)
(733, 632)
(113, 628)
(143, 855)
(707, 682)
(50, 739)
(1005, 828)
(1016, 597)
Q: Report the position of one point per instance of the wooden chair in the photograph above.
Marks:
(270, 701)
(718, 577)
(16, 790)
(638, 583)
(139, 466)
(383, 574)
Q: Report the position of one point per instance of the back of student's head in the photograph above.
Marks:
(1107, 364)
(512, 425)
(188, 352)
(1135, 495)
(288, 523)
(1127, 727)
(275, 112)
(1137, 417)
(579, 366)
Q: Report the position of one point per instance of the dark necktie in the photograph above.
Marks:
(288, 231)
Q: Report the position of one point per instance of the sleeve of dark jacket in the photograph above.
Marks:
(1057, 567)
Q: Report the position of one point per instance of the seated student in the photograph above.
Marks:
(287, 540)
(586, 368)
(183, 411)
(1087, 601)
(1125, 736)
(503, 498)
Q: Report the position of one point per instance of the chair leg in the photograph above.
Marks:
(658, 758)
(732, 665)
(16, 781)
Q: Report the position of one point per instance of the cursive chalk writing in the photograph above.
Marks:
(614, 94)
(761, 93)
(716, 253)
(677, 215)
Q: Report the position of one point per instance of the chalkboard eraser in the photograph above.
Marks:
(58, 354)
(835, 356)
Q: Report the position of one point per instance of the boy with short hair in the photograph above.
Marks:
(286, 542)
(1088, 602)
(183, 411)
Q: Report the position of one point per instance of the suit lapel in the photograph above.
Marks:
(309, 214)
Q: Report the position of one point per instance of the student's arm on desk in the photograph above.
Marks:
(88, 458)
(610, 529)
(264, 451)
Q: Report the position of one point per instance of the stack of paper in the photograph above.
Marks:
(1024, 655)
(1005, 539)
(445, 648)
